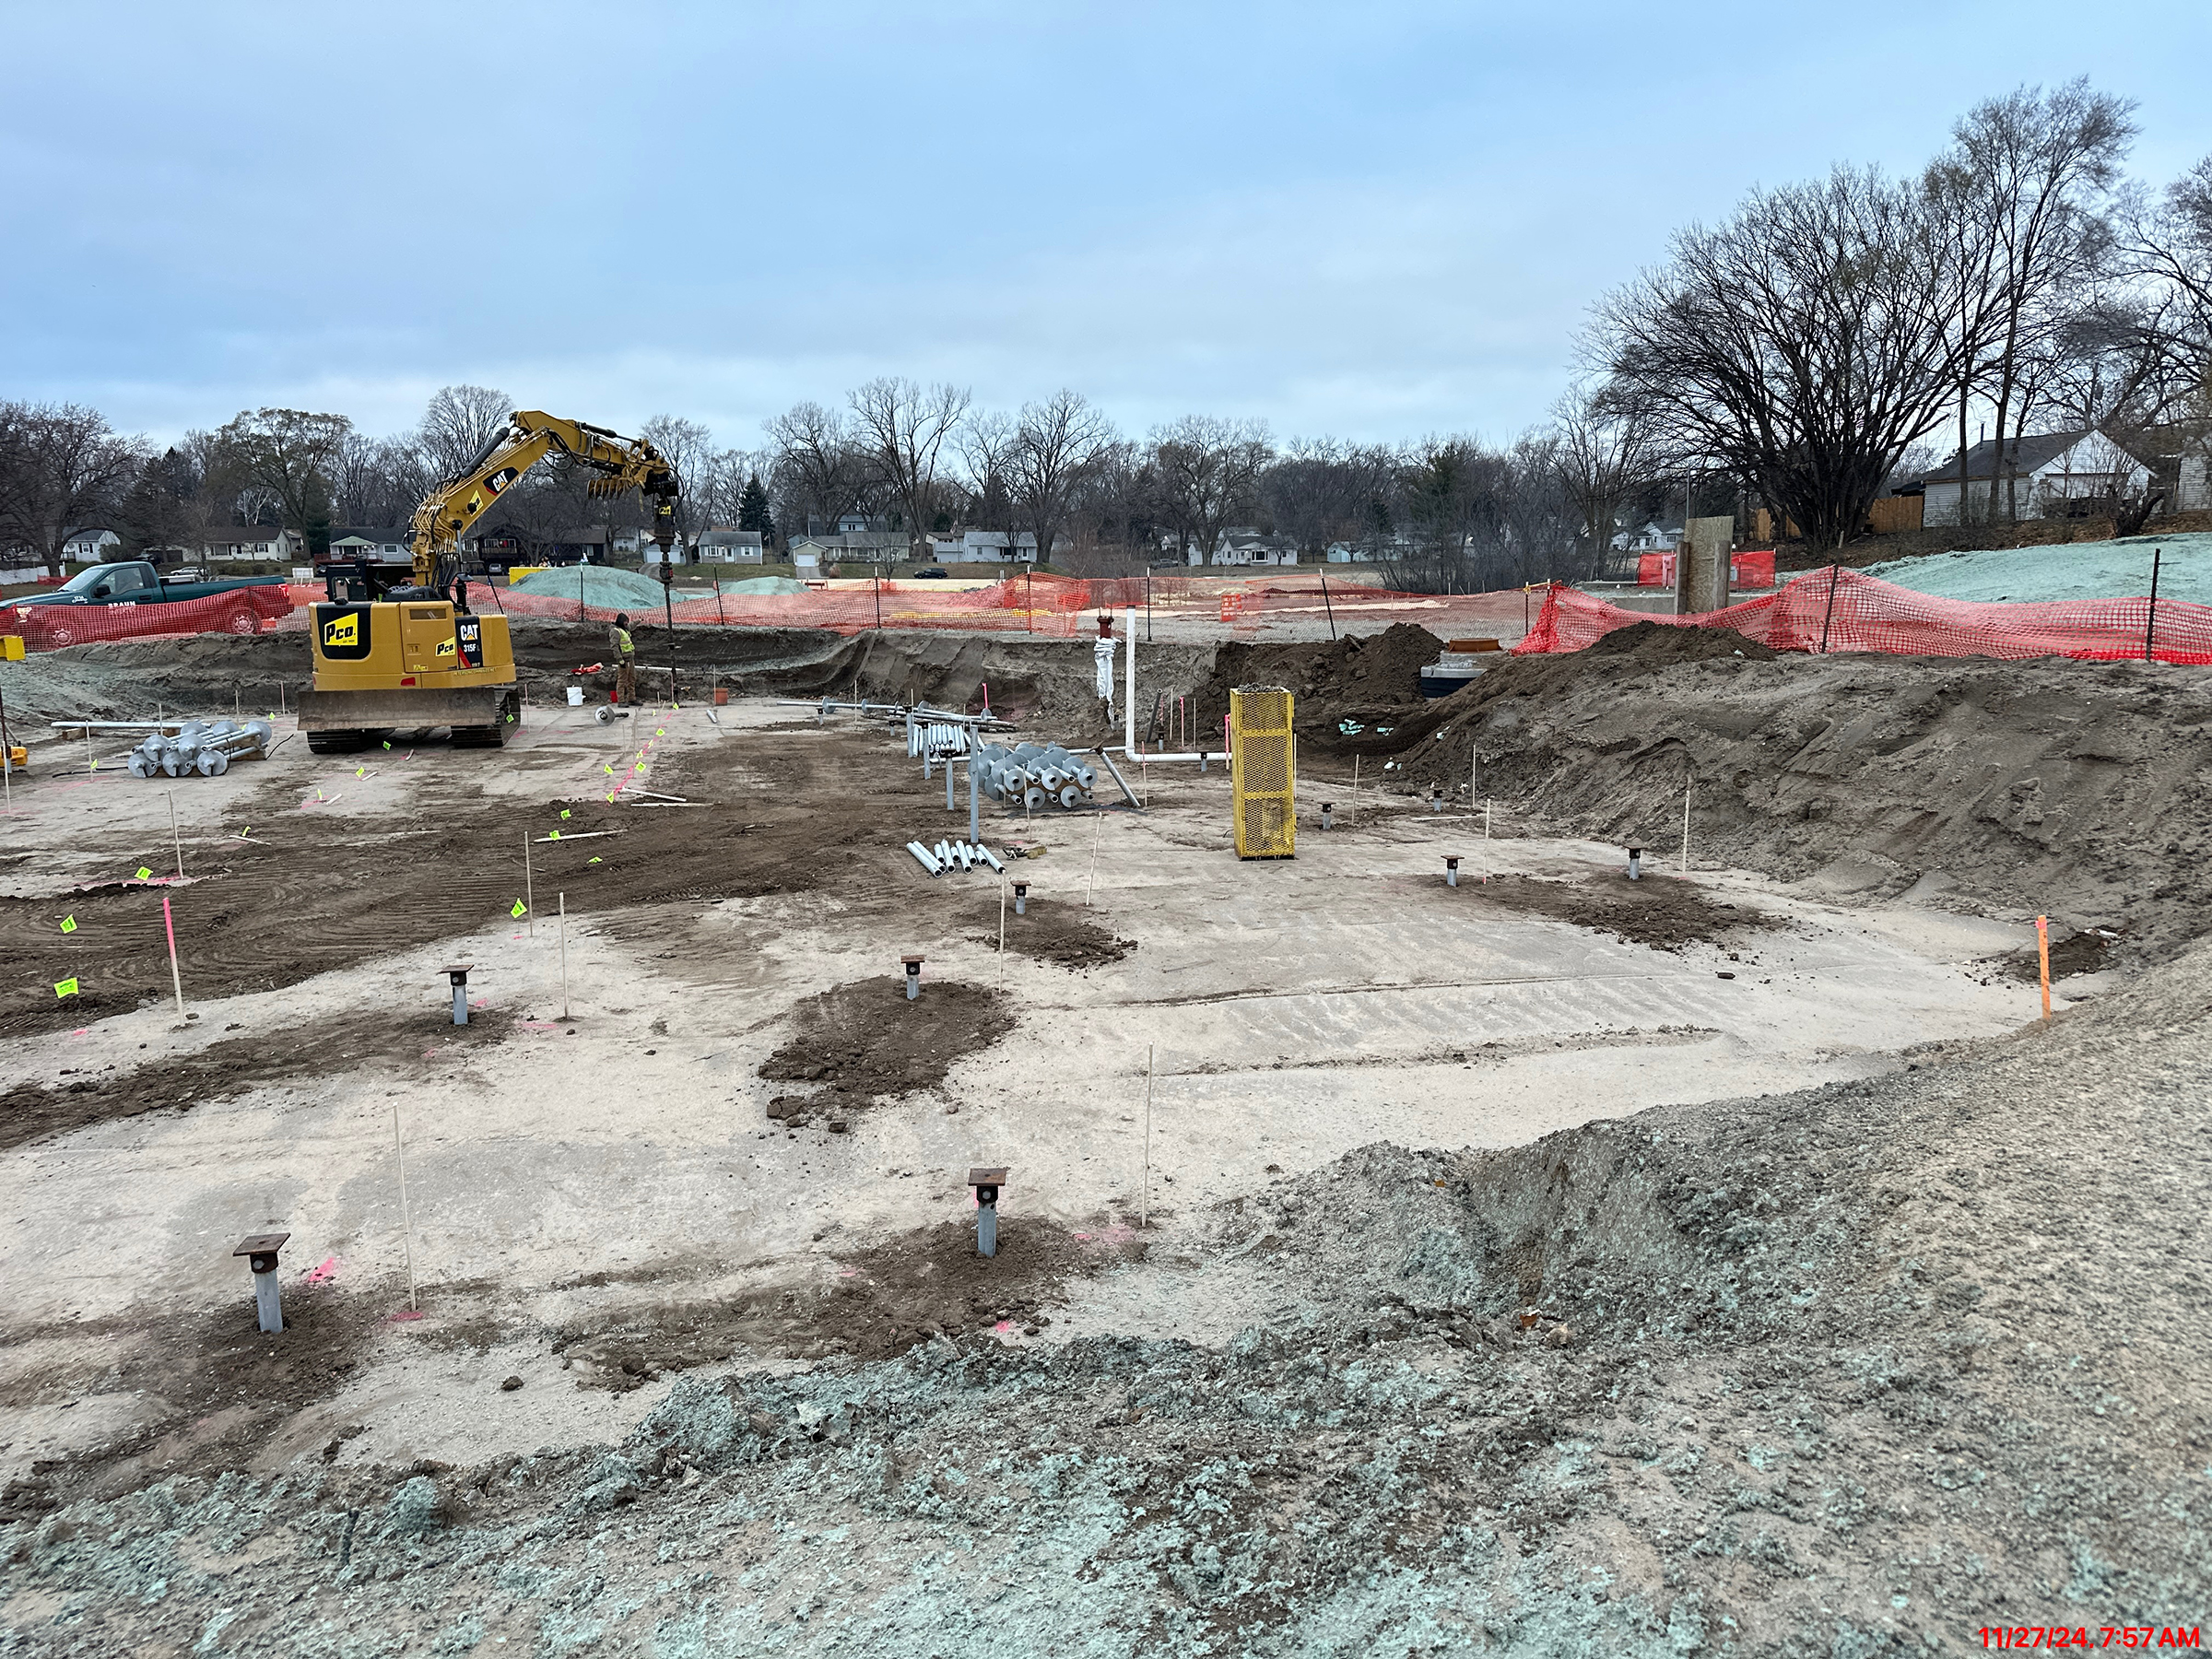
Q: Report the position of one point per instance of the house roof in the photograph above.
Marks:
(2023, 455)
(730, 538)
(224, 534)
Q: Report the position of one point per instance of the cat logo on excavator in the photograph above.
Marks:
(342, 632)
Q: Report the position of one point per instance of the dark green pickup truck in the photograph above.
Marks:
(254, 601)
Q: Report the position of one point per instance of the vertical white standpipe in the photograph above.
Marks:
(1129, 693)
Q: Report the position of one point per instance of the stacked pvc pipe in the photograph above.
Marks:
(207, 746)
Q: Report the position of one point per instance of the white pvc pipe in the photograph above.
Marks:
(1129, 694)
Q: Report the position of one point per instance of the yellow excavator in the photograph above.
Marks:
(415, 656)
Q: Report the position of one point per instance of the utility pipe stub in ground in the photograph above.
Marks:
(457, 974)
(260, 1250)
(1327, 809)
(913, 976)
(1451, 870)
(1021, 898)
(1635, 864)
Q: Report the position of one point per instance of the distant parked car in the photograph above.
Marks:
(928, 571)
(187, 573)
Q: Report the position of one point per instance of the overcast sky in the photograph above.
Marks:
(1374, 221)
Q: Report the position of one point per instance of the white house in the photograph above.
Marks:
(984, 547)
(2052, 473)
(1246, 545)
(724, 546)
(90, 545)
(249, 541)
(1649, 537)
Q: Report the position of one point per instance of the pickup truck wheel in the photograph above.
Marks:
(245, 621)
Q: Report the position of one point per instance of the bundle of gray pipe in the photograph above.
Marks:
(1032, 774)
(207, 746)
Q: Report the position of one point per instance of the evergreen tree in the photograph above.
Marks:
(752, 510)
(156, 513)
(318, 518)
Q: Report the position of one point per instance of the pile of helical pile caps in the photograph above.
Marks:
(1032, 775)
(207, 746)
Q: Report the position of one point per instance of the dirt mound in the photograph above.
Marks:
(883, 1302)
(2055, 787)
(398, 1043)
(1052, 931)
(1656, 644)
(1355, 674)
(864, 1041)
(1659, 911)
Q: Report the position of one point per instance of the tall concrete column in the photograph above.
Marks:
(1702, 565)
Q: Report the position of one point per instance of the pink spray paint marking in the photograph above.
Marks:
(402, 1316)
(1004, 1327)
(326, 1272)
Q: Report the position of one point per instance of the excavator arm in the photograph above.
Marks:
(623, 465)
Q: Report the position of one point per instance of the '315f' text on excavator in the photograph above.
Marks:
(414, 658)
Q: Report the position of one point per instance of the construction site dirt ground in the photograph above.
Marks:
(1728, 1261)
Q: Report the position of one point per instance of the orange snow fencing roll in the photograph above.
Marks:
(1842, 610)
(53, 626)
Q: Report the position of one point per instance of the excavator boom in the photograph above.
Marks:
(623, 465)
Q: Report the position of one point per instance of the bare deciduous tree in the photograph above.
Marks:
(902, 429)
(291, 454)
(1319, 492)
(1604, 456)
(816, 473)
(459, 427)
(986, 443)
(2040, 167)
(1053, 449)
(1801, 345)
(1207, 468)
(62, 468)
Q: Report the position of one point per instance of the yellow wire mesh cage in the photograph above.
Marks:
(1262, 771)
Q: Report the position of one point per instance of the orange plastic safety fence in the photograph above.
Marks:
(838, 610)
(52, 627)
(1843, 610)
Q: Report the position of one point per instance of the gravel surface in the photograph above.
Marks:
(1836, 1372)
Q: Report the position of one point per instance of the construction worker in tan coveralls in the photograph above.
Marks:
(626, 674)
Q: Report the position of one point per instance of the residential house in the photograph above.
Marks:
(243, 542)
(1350, 553)
(724, 546)
(2045, 475)
(586, 543)
(984, 547)
(1245, 546)
(378, 546)
(91, 545)
(1650, 536)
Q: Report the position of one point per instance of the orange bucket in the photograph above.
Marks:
(722, 695)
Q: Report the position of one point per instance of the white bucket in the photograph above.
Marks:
(575, 697)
